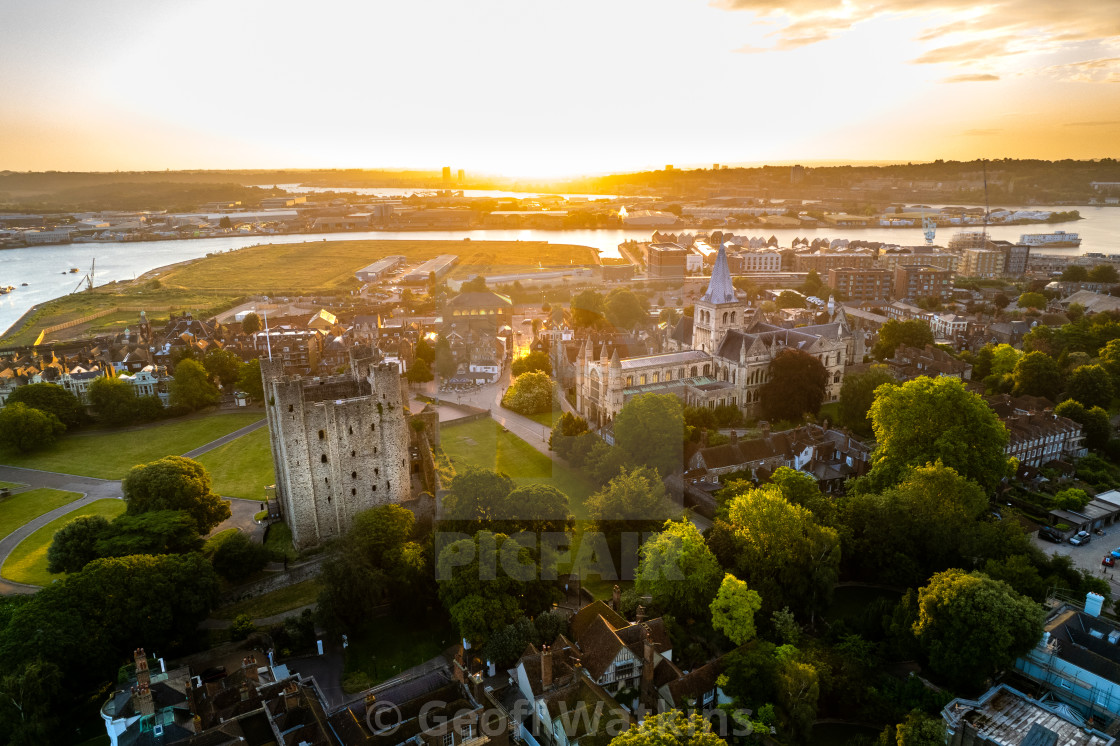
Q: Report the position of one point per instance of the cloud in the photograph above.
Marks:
(970, 78)
(1102, 69)
(1036, 25)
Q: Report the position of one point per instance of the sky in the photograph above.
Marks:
(531, 89)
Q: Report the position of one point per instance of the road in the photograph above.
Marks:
(1088, 557)
(226, 439)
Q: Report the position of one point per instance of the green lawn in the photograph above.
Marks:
(482, 443)
(9, 485)
(218, 539)
(17, 510)
(394, 643)
(242, 468)
(278, 540)
(285, 599)
(548, 419)
(28, 561)
(109, 455)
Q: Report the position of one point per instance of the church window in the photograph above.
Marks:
(323, 458)
(643, 379)
(707, 370)
(725, 317)
(629, 380)
(836, 378)
(680, 373)
(693, 373)
(668, 375)
(732, 317)
(656, 377)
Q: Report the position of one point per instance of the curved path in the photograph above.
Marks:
(92, 489)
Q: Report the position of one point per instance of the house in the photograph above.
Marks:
(322, 321)
(1078, 659)
(1103, 510)
(912, 362)
(1004, 716)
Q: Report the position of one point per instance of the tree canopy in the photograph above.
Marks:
(650, 431)
(678, 570)
(175, 483)
(912, 333)
(672, 728)
(249, 380)
(534, 361)
(624, 309)
(929, 419)
(634, 502)
(797, 386)
(530, 393)
(1094, 422)
(733, 610)
(1037, 374)
(112, 400)
(222, 365)
(50, 398)
(251, 324)
(25, 429)
(858, 393)
(1032, 300)
(1091, 385)
(191, 387)
(419, 371)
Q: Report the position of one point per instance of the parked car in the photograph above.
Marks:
(1108, 561)
(1080, 538)
(1050, 534)
(1115, 553)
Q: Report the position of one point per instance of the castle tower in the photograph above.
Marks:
(340, 445)
(718, 310)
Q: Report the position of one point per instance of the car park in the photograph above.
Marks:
(1080, 538)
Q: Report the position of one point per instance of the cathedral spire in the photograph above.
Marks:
(720, 288)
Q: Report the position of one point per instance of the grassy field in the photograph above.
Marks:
(391, 644)
(243, 467)
(17, 510)
(285, 599)
(278, 539)
(218, 539)
(482, 443)
(9, 485)
(28, 561)
(110, 455)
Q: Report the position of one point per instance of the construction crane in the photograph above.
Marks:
(88, 279)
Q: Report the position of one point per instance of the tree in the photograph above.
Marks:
(971, 626)
(624, 309)
(857, 395)
(424, 351)
(564, 433)
(530, 393)
(912, 333)
(588, 309)
(445, 359)
(534, 361)
(26, 429)
(238, 557)
(778, 549)
(1071, 498)
(191, 387)
(251, 324)
(678, 570)
(1091, 385)
(27, 717)
(733, 610)
(156, 532)
(1037, 374)
(419, 371)
(222, 365)
(634, 502)
(1104, 273)
(487, 582)
(790, 299)
(672, 728)
(75, 545)
(174, 483)
(1094, 421)
(650, 430)
(1075, 273)
(112, 400)
(1032, 300)
(52, 399)
(249, 379)
(930, 419)
(477, 499)
(476, 284)
(537, 508)
(797, 689)
(797, 386)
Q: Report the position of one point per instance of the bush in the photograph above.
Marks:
(238, 557)
(241, 627)
(530, 393)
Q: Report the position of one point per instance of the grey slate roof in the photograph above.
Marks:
(720, 289)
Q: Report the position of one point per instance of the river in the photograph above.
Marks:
(46, 268)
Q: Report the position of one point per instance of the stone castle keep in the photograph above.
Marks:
(340, 444)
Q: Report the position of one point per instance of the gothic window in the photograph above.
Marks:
(725, 317)
(707, 370)
(732, 317)
(836, 378)
(668, 375)
(693, 373)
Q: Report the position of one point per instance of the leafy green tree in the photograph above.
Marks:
(534, 361)
(733, 610)
(1110, 360)
(650, 431)
(1091, 385)
(445, 358)
(25, 429)
(971, 626)
(1071, 498)
(530, 393)
(1094, 422)
(507, 644)
(191, 387)
(476, 284)
(249, 380)
(634, 502)
(778, 549)
(238, 557)
(157, 532)
(419, 371)
(588, 309)
(672, 728)
(175, 483)
(222, 365)
(564, 432)
(624, 309)
(251, 324)
(858, 393)
(485, 584)
(1104, 273)
(799, 488)
(912, 333)
(1032, 300)
(1037, 374)
(1075, 273)
(477, 499)
(797, 689)
(75, 545)
(918, 729)
(678, 570)
(424, 351)
(927, 419)
(113, 401)
(537, 508)
(797, 386)
(29, 696)
(50, 398)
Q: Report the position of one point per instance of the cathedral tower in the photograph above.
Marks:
(718, 310)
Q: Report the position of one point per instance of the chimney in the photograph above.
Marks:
(142, 695)
(1093, 603)
(245, 691)
(546, 667)
(143, 677)
(647, 657)
(616, 598)
(640, 616)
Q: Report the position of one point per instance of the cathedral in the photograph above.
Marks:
(720, 355)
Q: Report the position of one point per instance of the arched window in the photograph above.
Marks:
(725, 317)
(732, 317)
(707, 370)
(629, 380)
(693, 373)
(836, 378)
